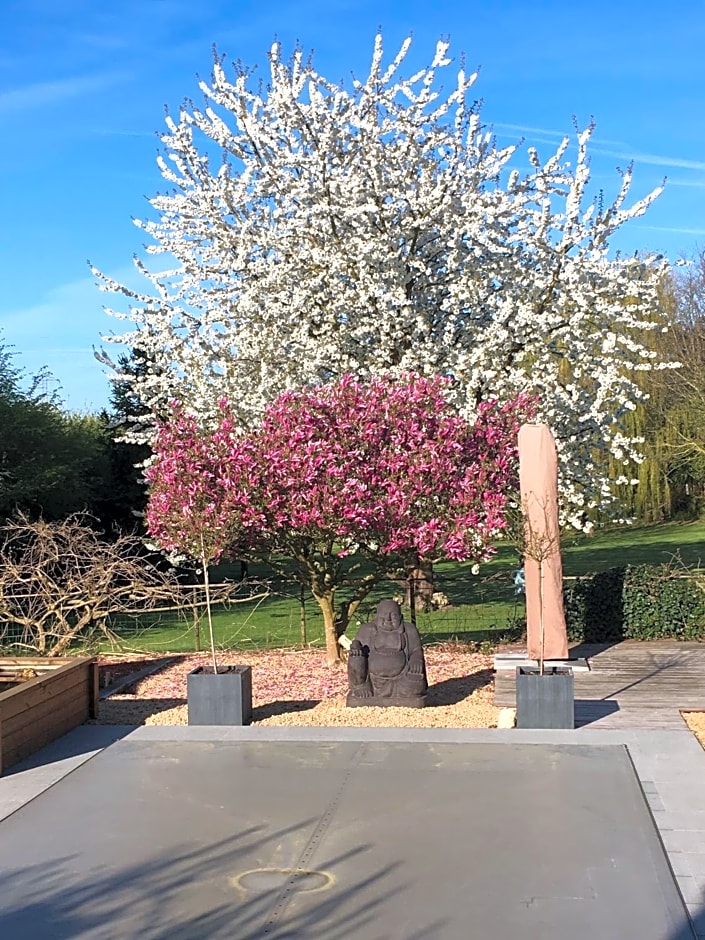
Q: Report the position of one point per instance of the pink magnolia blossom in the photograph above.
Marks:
(385, 463)
(385, 468)
(186, 512)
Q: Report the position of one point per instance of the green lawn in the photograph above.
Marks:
(483, 607)
(636, 546)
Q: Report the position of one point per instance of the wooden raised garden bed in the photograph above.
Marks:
(41, 699)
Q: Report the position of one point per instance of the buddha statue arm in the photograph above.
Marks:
(358, 670)
(415, 651)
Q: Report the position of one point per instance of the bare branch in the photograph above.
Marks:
(61, 582)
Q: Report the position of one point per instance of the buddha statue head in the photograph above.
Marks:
(389, 616)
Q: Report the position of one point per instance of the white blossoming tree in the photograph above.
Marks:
(311, 230)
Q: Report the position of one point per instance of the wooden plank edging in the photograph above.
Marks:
(29, 716)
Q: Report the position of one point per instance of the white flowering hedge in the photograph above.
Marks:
(311, 230)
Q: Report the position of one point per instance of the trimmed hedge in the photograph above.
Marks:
(635, 602)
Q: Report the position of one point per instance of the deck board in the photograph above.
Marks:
(631, 684)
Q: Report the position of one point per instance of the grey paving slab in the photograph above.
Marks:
(695, 862)
(692, 888)
(680, 864)
(26, 780)
(682, 840)
(177, 834)
(685, 819)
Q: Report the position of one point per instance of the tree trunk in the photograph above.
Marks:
(327, 604)
(196, 623)
(422, 576)
(542, 630)
(41, 642)
(302, 605)
(207, 588)
(346, 611)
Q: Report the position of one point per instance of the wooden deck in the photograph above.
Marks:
(631, 684)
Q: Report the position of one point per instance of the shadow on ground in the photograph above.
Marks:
(698, 923)
(283, 707)
(159, 897)
(588, 711)
(452, 691)
(82, 740)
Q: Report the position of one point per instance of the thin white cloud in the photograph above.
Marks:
(66, 318)
(609, 148)
(33, 324)
(59, 332)
(554, 135)
(117, 132)
(668, 228)
(41, 94)
(690, 184)
(536, 138)
(652, 158)
(526, 129)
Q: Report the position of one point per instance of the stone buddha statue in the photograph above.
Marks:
(385, 663)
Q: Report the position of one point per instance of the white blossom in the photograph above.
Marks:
(311, 229)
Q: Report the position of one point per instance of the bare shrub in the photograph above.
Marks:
(61, 581)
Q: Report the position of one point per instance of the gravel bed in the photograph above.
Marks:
(696, 723)
(299, 688)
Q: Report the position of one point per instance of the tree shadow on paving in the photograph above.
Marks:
(582, 650)
(283, 707)
(698, 919)
(82, 740)
(195, 892)
(690, 930)
(588, 711)
(654, 665)
(452, 691)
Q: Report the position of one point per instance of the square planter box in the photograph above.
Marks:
(545, 701)
(222, 699)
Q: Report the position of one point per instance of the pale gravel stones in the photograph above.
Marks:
(696, 723)
(299, 688)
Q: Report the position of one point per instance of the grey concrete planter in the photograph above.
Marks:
(545, 701)
(222, 699)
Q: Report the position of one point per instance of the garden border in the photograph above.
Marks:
(64, 694)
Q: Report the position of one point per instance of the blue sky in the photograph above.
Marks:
(83, 86)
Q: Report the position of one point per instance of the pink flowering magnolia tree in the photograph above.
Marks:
(186, 514)
(354, 480)
(340, 485)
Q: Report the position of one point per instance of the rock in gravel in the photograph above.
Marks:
(507, 718)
